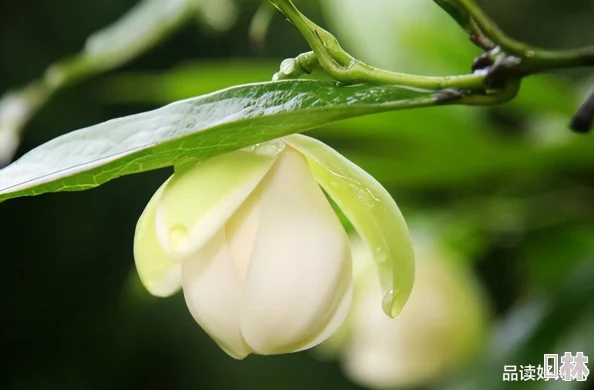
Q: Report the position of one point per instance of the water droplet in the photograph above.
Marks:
(380, 255)
(387, 301)
(365, 195)
(269, 149)
(178, 237)
(393, 302)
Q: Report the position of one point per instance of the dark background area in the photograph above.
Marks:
(512, 187)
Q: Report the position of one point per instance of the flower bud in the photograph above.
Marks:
(440, 329)
(250, 236)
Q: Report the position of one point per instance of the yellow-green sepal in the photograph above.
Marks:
(373, 213)
(198, 200)
(158, 272)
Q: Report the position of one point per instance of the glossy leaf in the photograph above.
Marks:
(195, 129)
(149, 22)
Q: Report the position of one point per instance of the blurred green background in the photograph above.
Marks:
(509, 189)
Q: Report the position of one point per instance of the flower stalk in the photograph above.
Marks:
(496, 76)
(343, 67)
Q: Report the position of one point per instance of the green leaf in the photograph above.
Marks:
(194, 130)
(145, 25)
(373, 213)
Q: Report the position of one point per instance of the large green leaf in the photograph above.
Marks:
(149, 22)
(195, 129)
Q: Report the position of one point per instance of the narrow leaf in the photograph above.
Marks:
(194, 130)
(149, 22)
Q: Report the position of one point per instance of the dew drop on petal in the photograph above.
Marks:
(380, 255)
(252, 148)
(393, 302)
(268, 149)
(387, 301)
(178, 237)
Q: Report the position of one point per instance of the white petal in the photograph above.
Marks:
(213, 294)
(241, 230)
(159, 273)
(301, 266)
(373, 213)
(198, 201)
(336, 321)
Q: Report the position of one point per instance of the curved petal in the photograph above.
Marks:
(336, 321)
(440, 329)
(301, 265)
(213, 294)
(241, 230)
(373, 213)
(159, 273)
(197, 202)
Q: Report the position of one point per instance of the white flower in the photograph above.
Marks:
(440, 329)
(263, 260)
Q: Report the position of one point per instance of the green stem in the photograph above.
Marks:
(504, 95)
(349, 70)
(503, 65)
(535, 59)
